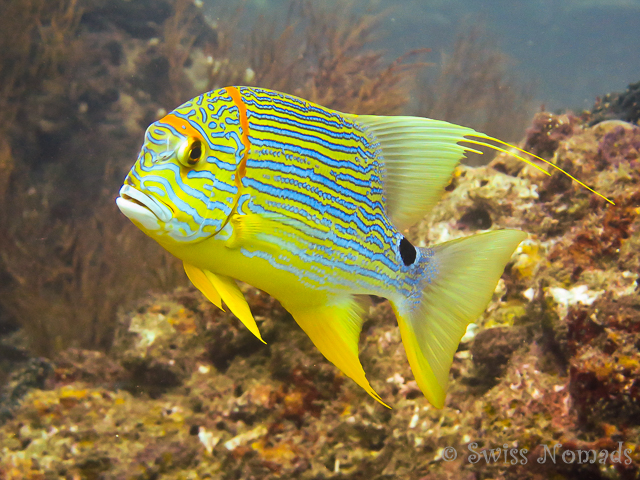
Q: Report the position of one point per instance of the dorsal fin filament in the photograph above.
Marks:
(527, 161)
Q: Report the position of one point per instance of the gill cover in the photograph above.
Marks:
(189, 161)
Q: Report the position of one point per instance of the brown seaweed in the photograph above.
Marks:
(85, 80)
(473, 86)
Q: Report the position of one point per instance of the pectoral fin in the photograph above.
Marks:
(335, 329)
(219, 287)
(259, 230)
(245, 229)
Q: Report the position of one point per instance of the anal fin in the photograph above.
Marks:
(220, 287)
(334, 329)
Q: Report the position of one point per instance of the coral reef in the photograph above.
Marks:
(171, 387)
(544, 385)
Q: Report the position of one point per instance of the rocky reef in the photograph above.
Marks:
(619, 105)
(546, 384)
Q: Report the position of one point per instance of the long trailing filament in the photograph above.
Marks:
(526, 160)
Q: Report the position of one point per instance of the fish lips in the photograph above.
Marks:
(143, 208)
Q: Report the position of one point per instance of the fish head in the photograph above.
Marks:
(182, 187)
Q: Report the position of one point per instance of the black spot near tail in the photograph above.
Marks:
(407, 252)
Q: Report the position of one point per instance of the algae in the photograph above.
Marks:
(171, 387)
(187, 392)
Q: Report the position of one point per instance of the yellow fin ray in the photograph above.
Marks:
(335, 330)
(245, 228)
(227, 290)
(420, 156)
(254, 229)
(487, 137)
(234, 299)
(468, 271)
(202, 283)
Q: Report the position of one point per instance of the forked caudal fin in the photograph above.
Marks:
(468, 270)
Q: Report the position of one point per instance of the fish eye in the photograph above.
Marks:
(196, 151)
(191, 152)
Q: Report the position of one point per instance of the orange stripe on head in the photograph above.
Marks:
(182, 126)
(185, 128)
(244, 123)
(244, 138)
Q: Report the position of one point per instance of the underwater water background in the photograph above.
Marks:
(113, 366)
(573, 51)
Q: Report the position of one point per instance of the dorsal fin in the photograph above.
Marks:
(420, 156)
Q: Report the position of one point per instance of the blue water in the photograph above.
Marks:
(571, 50)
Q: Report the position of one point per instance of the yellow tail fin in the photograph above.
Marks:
(468, 271)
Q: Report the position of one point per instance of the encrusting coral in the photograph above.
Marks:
(185, 391)
(552, 365)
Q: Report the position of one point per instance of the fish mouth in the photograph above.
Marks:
(133, 202)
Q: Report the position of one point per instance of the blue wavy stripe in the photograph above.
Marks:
(215, 183)
(177, 202)
(312, 139)
(346, 238)
(331, 186)
(346, 164)
(303, 122)
(175, 169)
(322, 280)
(331, 209)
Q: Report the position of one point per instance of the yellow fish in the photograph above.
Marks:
(309, 205)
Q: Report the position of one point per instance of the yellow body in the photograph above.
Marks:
(309, 205)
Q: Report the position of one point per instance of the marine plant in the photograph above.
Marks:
(85, 85)
(472, 85)
(322, 55)
(33, 37)
(333, 66)
(177, 46)
(67, 254)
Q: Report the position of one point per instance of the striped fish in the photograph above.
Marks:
(309, 205)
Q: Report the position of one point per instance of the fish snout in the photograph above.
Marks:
(143, 208)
